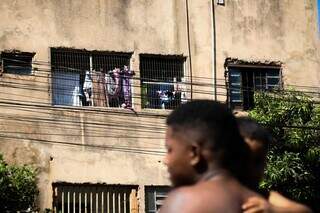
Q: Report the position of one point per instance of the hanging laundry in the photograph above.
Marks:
(76, 96)
(166, 95)
(113, 87)
(98, 88)
(126, 87)
(87, 89)
(113, 82)
(181, 89)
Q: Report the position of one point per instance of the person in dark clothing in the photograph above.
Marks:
(258, 139)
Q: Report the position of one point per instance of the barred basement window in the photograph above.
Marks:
(102, 198)
(244, 80)
(91, 78)
(154, 196)
(16, 62)
(162, 81)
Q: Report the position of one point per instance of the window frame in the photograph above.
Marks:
(175, 66)
(251, 69)
(71, 197)
(86, 61)
(17, 59)
(156, 203)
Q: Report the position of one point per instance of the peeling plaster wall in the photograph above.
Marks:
(78, 146)
(138, 26)
(155, 27)
(262, 30)
(99, 24)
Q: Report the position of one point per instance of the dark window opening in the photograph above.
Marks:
(91, 78)
(154, 197)
(162, 81)
(17, 62)
(243, 81)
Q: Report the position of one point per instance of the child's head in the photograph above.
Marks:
(203, 135)
(258, 139)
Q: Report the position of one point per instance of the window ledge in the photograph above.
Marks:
(152, 112)
(164, 112)
(18, 76)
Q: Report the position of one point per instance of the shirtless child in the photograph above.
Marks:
(207, 160)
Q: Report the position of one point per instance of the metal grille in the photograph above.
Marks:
(155, 196)
(68, 71)
(244, 81)
(162, 81)
(109, 61)
(70, 67)
(93, 198)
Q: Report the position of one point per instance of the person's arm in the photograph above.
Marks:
(281, 202)
(276, 204)
(257, 205)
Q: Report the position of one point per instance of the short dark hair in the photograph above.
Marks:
(216, 127)
(251, 129)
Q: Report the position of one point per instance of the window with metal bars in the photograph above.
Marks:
(162, 81)
(154, 197)
(243, 81)
(16, 62)
(90, 78)
(78, 198)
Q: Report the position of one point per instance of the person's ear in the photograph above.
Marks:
(195, 153)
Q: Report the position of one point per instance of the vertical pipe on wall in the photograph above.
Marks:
(189, 49)
(214, 50)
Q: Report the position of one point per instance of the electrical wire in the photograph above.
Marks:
(94, 126)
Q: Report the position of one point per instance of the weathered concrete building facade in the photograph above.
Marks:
(110, 139)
